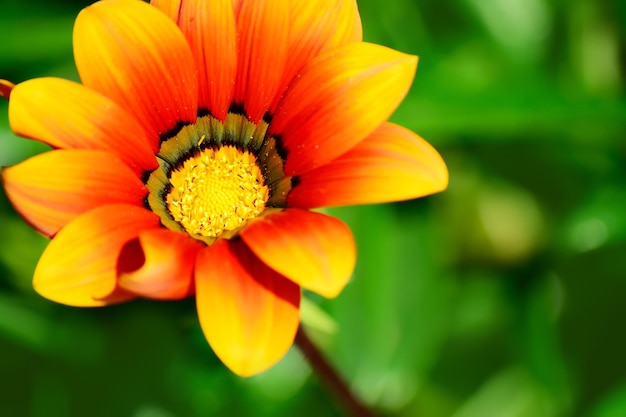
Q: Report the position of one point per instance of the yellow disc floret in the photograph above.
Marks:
(216, 190)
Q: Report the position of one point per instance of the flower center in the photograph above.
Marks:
(213, 177)
(216, 191)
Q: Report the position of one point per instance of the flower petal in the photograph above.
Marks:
(134, 54)
(65, 114)
(51, 189)
(5, 88)
(392, 164)
(209, 26)
(78, 267)
(159, 264)
(339, 99)
(210, 29)
(314, 27)
(248, 313)
(263, 30)
(314, 250)
(170, 7)
(237, 6)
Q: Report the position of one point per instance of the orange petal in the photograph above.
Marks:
(78, 267)
(65, 114)
(209, 26)
(248, 313)
(392, 164)
(262, 27)
(5, 88)
(210, 29)
(51, 189)
(339, 99)
(159, 264)
(314, 250)
(170, 7)
(314, 27)
(237, 6)
(135, 55)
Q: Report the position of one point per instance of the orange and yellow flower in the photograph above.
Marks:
(187, 161)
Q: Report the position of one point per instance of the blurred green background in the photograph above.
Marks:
(502, 297)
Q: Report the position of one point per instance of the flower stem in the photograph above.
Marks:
(329, 376)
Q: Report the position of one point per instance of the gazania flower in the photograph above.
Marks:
(187, 161)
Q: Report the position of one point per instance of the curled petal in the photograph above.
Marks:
(134, 54)
(51, 189)
(65, 114)
(248, 312)
(262, 29)
(339, 99)
(392, 164)
(159, 264)
(5, 88)
(314, 250)
(79, 266)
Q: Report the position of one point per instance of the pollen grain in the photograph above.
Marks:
(216, 190)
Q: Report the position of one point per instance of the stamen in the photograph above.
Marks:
(215, 176)
(216, 191)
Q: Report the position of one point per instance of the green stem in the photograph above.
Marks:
(329, 376)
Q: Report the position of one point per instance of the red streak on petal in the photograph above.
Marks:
(5, 88)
